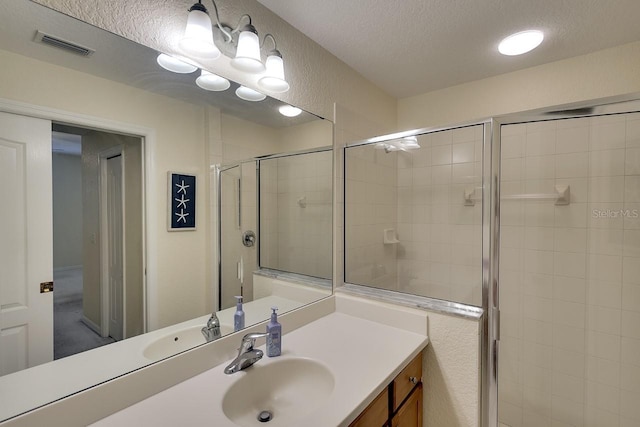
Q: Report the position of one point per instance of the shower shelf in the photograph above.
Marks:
(562, 196)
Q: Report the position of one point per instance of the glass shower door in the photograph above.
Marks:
(569, 350)
(238, 233)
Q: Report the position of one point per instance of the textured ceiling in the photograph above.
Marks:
(409, 47)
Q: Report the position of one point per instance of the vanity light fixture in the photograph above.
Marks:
(273, 79)
(289, 111)
(249, 94)
(175, 65)
(519, 43)
(206, 40)
(242, 43)
(211, 81)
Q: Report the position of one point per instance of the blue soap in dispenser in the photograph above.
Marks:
(274, 335)
(238, 318)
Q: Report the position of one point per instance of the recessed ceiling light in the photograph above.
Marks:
(519, 43)
(289, 111)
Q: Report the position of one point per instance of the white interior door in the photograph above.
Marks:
(115, 245)
(26, 243)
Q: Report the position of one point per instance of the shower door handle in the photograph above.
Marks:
(248, 238)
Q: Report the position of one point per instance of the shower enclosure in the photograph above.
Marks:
(275, 214)
(570, 271)
(535, 221)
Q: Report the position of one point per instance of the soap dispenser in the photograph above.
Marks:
(238, 317)
(274, 335)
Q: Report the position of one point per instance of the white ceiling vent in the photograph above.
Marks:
(63, 44)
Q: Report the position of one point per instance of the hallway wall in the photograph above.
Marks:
(67, 210)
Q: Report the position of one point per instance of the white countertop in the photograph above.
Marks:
(364, 356)
(42, 384)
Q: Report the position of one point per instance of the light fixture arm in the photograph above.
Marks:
(270, 36)
(238, 29)
(200, 6)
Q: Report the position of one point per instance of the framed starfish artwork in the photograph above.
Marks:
(182, 202)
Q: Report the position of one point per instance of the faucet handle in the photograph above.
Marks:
(249, 340)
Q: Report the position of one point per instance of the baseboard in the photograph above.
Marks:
(67, 268)
(93, 326)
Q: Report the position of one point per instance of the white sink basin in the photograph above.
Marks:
(177, 342)
(289, 389)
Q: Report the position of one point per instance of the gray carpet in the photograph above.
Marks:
(70, 334)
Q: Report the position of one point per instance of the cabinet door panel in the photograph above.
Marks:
(376, 414)
(410, 414)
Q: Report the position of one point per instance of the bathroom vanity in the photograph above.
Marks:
(400, 403)
(331, 370)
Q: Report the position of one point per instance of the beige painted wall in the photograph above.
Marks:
(67, 210)
(451, 372)
(180, 266)
(318, 133)
(606, 73)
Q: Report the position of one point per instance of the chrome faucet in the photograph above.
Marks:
(212, 332)
(247, 355)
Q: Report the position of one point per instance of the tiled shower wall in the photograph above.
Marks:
(296, 213)
(371, 195)
(440, 249)
(570, 275)
(419, 196)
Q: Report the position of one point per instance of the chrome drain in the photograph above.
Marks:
(265, 416)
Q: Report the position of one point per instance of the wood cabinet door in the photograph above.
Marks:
(376, 414)
(410, 414)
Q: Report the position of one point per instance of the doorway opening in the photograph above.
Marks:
(97, 238)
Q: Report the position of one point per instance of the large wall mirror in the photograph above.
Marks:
(86, 145)
(276, 222)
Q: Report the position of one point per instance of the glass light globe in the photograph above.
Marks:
(213, 82)
(175, 65)
(198, 36)
(289, 111)
(248, 94)
(274, 76)
(247, 57)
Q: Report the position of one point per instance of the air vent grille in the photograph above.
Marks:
(63, 44)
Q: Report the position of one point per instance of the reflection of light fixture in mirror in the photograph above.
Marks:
(289, 111)
(175, 65)
(273, 79)
(198, 36)
(519, 43)
(248, 53)
(248, 94)
(210, 81)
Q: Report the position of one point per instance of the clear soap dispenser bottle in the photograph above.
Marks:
(274, 335)
(238, 317)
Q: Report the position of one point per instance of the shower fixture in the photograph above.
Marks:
(401, 144)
